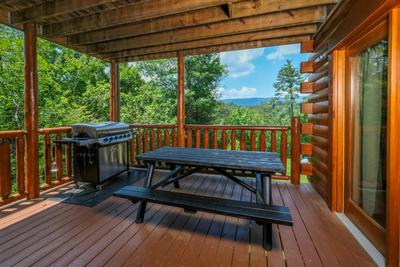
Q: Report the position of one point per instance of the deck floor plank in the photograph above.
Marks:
(298, 232)
(153, 241)
(49, 233)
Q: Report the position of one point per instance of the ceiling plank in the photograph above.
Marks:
(52, 9)
(249, 24)
(128, 14)
(231, 39)
(221, 48)
(194, 18)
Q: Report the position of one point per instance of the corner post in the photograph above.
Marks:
(114, 92)
(181, 99)
(295, 151)
(31, 111)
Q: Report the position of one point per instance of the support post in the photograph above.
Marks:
(295, 151)
(181, 99)
(114, 92)
(31, 111)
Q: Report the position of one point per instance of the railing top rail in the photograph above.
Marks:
(238, 127)
(12, 134)
(154, 126)
(55, 130)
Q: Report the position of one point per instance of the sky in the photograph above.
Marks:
(252, 72)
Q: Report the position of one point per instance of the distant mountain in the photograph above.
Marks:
(245, 102)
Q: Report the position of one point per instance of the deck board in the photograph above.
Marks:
(49, 233)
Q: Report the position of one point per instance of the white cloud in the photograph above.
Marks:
(239, 62)
(242, 92)
(284, 50)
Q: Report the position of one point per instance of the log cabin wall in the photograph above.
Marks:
(318, 88)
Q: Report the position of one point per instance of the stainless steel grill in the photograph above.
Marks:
(100, 150)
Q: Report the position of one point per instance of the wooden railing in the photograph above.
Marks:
(12, 173)
(253, 138)
(56, 158)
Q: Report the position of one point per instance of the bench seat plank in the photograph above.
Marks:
(255, 211)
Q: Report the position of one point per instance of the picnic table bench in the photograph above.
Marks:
(187, 161)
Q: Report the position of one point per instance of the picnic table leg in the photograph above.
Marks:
(147, 183)
(176, 183)
(264, 195)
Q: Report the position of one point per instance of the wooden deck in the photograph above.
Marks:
(82, 233)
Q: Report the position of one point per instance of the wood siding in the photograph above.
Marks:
(318, 129)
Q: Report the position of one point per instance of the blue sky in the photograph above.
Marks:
(252, 72)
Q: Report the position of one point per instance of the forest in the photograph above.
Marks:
(75, 88)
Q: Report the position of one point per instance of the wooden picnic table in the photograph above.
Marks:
(187, 161)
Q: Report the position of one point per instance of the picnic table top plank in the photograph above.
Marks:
(266, 162)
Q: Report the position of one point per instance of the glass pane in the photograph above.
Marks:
(369, 83)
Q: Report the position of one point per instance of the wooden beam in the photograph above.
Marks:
(231, 39)
(221, 48)
(307, 88)
(295, 150)
(194, 18)
(181, 99)
(307, 46)
(307, 67)
(31, 110)
(53, 9)
(129, 14)
(306, 149)
(393, 170)
(114, 92)
(307, 128)
(236, 26)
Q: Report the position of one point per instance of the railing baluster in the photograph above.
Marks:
(132, 151)
(215, 139)
(47, 159)
(206, 139)
(59, 162)
(284, 150)
(242, 140)
(262, 140)
(138, 142)
(252, 140)
(151, 139)
(273, 141)
(5, 170)
(233, 140)
(197, 138)
(174, 137)
(166, 137)
(224, 140)
(159, 138)
(144, 140)
(20, 156)
(189, 138)
(68, 158)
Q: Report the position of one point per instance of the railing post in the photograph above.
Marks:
(114, 92)
(295, 151)
(31, 110)
(181, 99)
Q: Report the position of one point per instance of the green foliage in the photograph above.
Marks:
(75, 87)
(287, 86)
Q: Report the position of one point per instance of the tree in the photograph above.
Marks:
(202, 76)
(287, 86)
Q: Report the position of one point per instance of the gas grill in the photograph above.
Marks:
(100, 151)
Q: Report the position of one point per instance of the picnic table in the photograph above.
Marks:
(186, 161)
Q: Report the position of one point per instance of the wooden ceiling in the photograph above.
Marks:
(132, 30)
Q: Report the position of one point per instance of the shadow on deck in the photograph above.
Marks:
(69, 227)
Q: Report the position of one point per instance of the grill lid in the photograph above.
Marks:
(99, 129)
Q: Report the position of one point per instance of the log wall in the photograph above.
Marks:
(317, 149)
